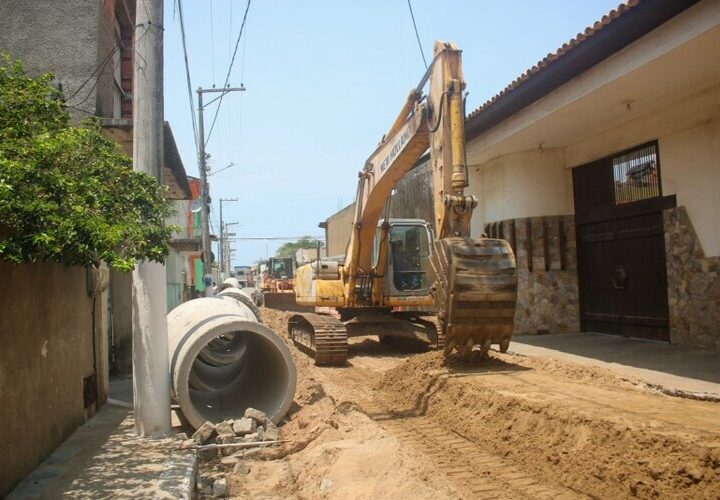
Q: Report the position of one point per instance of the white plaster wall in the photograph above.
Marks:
(690, 169)
(688, 134)
(539, 183)
(526, 184)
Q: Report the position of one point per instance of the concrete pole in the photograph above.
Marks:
(221, 250)
(221, 246)
(204, 197)
(151, 374)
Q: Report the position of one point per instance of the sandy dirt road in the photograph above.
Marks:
(395, 422)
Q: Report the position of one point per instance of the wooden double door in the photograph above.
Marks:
(621, 257)
(622, 276)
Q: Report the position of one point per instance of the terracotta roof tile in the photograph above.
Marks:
(560, 52)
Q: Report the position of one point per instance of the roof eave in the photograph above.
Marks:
(624, 30)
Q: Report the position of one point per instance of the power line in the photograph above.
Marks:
(187, 71)
(277, 238)
(227, 77)
(100, 67)
(417, 35)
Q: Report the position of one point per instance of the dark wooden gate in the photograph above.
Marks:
(620, 244)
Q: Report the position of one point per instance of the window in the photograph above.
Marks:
(618, 180)
(409, 250)
(636, 174)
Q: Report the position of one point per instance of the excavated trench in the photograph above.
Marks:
(505, 427)
(573, 432)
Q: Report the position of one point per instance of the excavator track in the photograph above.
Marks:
(475, 292)
(321, 336)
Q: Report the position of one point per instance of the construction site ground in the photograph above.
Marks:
(396, 422)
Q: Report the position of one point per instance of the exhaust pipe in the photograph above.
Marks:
(223, 361)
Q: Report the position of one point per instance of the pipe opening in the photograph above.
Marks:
(237, 370)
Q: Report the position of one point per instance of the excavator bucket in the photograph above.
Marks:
(284, 301)
(475, 292)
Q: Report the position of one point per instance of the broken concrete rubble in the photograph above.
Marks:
(224, 427)
(204, 433)
(228, 439)
(256, 415)
(219, 488)
(244, 426)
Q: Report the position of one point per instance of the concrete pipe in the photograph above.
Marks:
(222, 361)
(230, 282)
(243, 296)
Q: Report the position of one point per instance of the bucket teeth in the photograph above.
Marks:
(475, 292)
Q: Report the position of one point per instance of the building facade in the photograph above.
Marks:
(601, 166)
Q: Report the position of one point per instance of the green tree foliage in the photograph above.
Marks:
(67, 194)
(291, 247)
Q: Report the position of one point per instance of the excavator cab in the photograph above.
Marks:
(409, 267)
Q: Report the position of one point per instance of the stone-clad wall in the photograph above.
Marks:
(547, 286)
(693, 284)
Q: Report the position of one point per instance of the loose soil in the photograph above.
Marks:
(395, 422)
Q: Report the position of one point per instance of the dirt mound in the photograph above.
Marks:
(580, 428)
(333, 450)
(276, 320)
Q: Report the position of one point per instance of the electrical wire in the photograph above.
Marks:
(227, 77)
(95, 84)
(100, 67)
(417, 35)
(187, 73)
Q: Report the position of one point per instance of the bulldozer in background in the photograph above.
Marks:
(276, 284)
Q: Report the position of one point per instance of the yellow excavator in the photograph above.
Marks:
(408, 277)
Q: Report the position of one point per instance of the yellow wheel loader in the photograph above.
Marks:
(409, 277)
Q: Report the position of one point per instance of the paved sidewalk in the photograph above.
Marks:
(674, 367)
(104, 458)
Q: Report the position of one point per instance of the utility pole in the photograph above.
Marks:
(151, 375)
(222, 228)
(227, 251)
(205, 191)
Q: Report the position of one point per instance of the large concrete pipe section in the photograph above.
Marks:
(222, 361)
(242, 295)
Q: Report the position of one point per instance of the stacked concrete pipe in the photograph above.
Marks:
(244, 297)
(223, 361)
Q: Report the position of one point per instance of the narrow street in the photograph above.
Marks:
(359, 250)
(394, 421)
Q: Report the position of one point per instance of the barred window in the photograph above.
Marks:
(636, 174)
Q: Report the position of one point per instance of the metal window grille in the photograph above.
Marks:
(636, 175)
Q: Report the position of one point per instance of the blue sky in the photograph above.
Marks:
(324, 81)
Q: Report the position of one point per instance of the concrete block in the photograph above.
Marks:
(272, 433)
(204, 433)
(244, 426)
(219, 489)
(225, 427)
(251, 438)
(257, 415)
